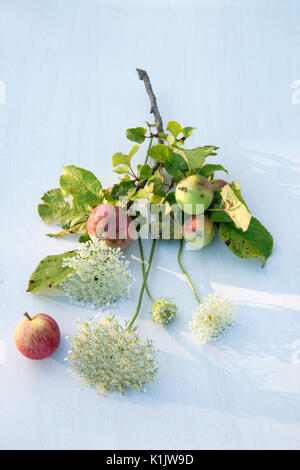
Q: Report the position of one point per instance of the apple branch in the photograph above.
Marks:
(154, 108)
(158, 120)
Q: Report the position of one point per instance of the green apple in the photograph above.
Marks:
(194, 194)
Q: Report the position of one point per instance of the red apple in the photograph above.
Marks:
(111, 224)
(198, 231)
(218, 184)
(37, 337)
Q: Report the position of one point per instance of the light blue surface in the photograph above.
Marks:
(226, 67)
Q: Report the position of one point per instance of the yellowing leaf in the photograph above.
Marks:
(236, 210)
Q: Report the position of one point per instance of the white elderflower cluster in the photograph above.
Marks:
(212, 318)
(110, 357)
(163, 311)
(101, 275)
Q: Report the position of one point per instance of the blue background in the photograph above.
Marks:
(227, 67)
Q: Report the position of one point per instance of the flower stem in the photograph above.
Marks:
(143, 268)
(185, 273)
(143, 286)
(149, 147)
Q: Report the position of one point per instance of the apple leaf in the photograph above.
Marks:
(195, 158)
(145, 171)
(159, 153)
(54, 206)
(82, 185)
(122, 161)
(188, 132)
(71, 204)
(209, 169)
(140, 194)
(50, 272)
(158, 198)
(84, 237)
(122, 169)
(255, 242)
(176, 166)
(217, 215)
(233, 207)
(236, 187)
(74, 229)
(174, 127)
(136, 134)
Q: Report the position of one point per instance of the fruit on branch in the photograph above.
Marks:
(198, 231)
(218, 184)
(37, 337)
(111, 224)
(194, 194)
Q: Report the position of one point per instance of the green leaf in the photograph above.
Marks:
(86, 192)
(256, 242)
(82, 185)
(145, 171)
(188, 131)
(209, 169)
(133, 151)
(216, 214)
(158, 198)
(176, 166)
(233, 207)
(54, 207)
(50, 272)
(141, 194)
(210, 150)
(136, 134)
(121, 189)
(174, 127)
(159, 153)
(122, 169)
(131, 192)
(155, 182)
(171, 199)
(193, 157)
(120, 158)
(84, 238)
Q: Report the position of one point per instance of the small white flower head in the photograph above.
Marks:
(212, 318)
(163, 311)
(101, 275)
(110, 357)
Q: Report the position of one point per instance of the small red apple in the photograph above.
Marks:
(198, 231)
(37, 337)
(111, 224)
(218, 184)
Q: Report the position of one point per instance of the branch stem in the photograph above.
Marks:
(154, 108)
(185, 273)
(149, 147)
(143, 286)
(143, 267)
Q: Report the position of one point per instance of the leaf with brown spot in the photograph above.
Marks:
(50, 269)
(255, 242)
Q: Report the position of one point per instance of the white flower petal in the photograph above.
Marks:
(212, 318)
